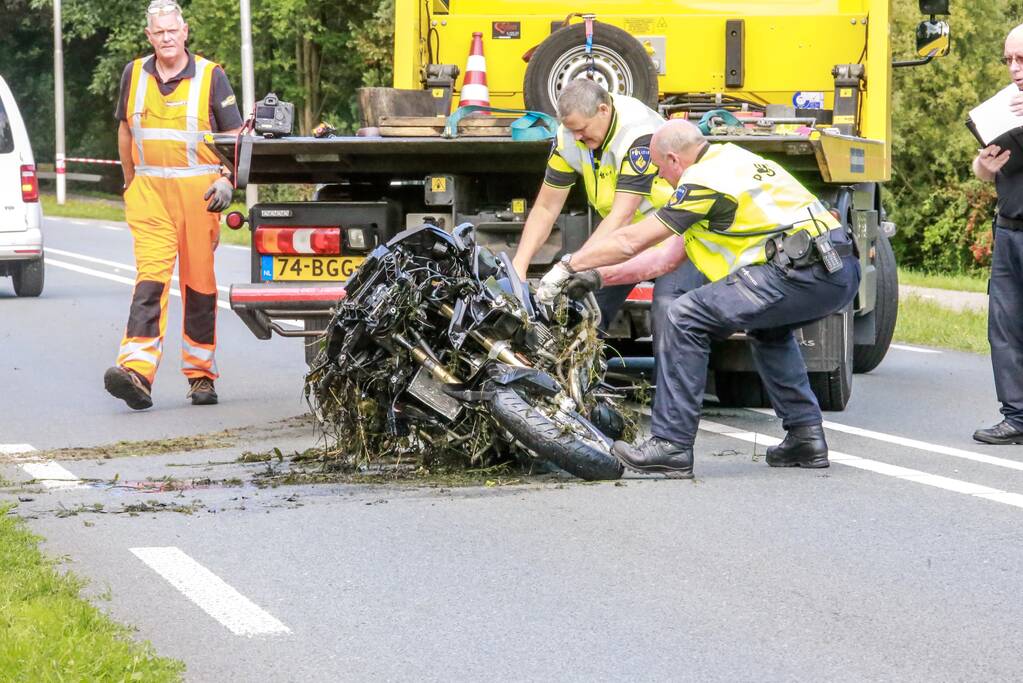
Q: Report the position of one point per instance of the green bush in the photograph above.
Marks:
(942, 210)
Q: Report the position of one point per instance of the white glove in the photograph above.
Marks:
(553, 283)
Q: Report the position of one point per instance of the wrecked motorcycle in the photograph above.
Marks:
(439, 352)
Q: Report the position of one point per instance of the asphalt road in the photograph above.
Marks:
(900, 562)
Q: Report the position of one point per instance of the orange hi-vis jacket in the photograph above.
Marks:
(168, 131)
(167, 214)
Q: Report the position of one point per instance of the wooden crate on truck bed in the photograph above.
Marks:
(433, 126)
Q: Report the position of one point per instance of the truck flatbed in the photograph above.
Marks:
(839, 158)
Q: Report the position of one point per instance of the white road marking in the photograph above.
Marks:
(52, 475)
(914, 349)
(15, 448)
(298, 324)
(918, 445)
(112, 264)
(211, 593)
(878, 467)
(114, 278)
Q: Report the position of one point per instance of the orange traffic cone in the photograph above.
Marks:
(474, 85)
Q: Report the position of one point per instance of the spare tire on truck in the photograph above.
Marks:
(620, 65)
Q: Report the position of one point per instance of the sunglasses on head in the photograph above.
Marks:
(163, 7)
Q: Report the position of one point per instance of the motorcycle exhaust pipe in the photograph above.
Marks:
(500, 350)
(421, 357)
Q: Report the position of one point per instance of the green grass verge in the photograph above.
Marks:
(49, 633)
(963, 282)
(109, 207)
(926, 323)
(106, 208)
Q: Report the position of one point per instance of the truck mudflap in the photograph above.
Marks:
(263, 306)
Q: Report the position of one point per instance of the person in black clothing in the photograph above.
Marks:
(1005, 308)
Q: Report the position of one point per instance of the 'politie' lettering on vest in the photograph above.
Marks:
(766, 197)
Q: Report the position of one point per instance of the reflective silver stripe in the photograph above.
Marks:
(203, 354)
(176, 171)
(192, 120)
(140, 106)
(720, 250)
(199, 352)
(147, 351)
(170, 134)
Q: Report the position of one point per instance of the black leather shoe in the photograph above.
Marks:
(802, 447)
(1002, 433)
(656, 455)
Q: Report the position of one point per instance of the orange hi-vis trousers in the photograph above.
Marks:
(168, 221)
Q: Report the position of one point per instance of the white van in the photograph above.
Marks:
(21, 217)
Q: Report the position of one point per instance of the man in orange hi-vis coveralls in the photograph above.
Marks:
(174, 192)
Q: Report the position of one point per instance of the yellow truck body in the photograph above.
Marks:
(790, 47)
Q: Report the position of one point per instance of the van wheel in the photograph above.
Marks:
(28, 278)
(866, 357)
(620, 65)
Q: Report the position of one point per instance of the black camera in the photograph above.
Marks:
(274, 119)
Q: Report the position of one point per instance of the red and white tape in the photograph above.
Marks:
(87, 160)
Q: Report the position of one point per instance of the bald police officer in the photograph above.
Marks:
(776, 260)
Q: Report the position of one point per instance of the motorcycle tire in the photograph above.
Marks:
(550, 441)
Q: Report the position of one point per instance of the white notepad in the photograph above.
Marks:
(993, 118)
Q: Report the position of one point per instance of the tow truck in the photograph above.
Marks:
(807, 83)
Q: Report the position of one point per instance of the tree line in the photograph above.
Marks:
(315, 53)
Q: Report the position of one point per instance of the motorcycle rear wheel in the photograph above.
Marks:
(552, 441)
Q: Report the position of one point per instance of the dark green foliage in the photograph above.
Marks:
(942, 210)
(314, 53)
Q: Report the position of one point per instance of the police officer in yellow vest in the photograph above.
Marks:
(173, 192)
(776, 260)
(605, 139)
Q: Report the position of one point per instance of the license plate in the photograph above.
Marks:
(337, 268)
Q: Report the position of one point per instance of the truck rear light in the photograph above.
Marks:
(235, 220)
(295, 240)
(641, 292)
(29, 184)
(356, 238)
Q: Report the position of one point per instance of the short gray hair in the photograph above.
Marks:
(158, 7)
(582, 96)
(677, 136)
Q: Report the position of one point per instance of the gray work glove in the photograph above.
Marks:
(582, 283)
(219, 194)
(552, 285)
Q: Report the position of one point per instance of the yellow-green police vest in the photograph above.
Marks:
(633, 119)
(767, 197)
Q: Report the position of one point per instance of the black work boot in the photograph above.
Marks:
(656, 455)
(201, 391)
(802, 447)
(1001, 434)
(129, 386)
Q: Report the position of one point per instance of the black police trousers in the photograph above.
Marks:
(769, 303)
(667, 288)
(1005, 322)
